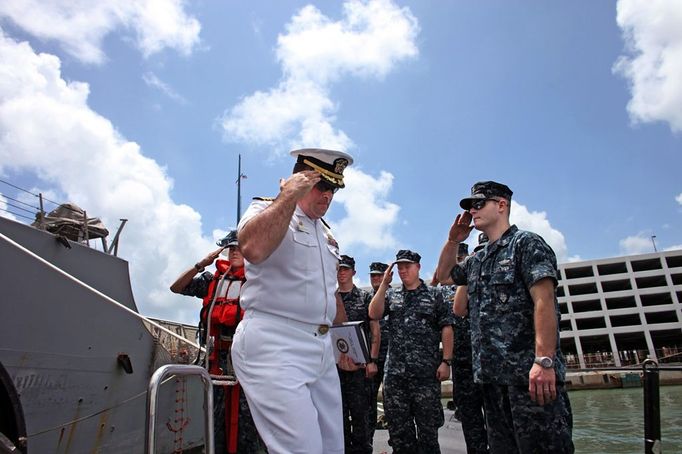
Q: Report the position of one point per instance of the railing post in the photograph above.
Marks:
(41, 215)
(152, 395)
(652, 408)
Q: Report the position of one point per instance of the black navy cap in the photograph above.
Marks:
(347, 262)
(482, 240)
(486, 190)
(407, 256)
(377, 268)
(330, 163)
(228, 240)
(462, 249)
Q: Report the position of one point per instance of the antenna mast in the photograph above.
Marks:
(240, 175)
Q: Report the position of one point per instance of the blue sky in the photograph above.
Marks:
(139, 110)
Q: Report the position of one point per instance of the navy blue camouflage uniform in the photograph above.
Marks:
(501, 313)
(379, 377)
(355, 388)
(248, 439)
(466, 394)
(412, 391)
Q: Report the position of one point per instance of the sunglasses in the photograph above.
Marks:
(323, 186)
(480, 203)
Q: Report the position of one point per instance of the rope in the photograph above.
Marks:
(18, 201)
(97, 292)
(17, 214)
(35, 195)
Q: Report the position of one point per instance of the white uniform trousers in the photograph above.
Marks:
(288, 374)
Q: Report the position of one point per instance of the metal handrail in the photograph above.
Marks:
(652, 407)
(152, 395)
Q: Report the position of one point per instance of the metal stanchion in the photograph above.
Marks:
(152, 398)
(652, 408)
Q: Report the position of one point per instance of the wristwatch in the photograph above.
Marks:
(545, 361)
(374, 360)
(198, 267)
(447, 361)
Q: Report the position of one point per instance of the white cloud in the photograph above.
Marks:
(537, 222)
(94, 166)
(636, 244)
(371, 38)
(369, 41)
(369, 211)
(679, 199)
(153, 81)
(80, 26)
(652, 30)
(674, 248)
(275, 117)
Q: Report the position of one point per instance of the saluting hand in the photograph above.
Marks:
(388, 276)
(210, 258)
(460, 229)
(299, 183)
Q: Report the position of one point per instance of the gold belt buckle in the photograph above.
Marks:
(323, 329)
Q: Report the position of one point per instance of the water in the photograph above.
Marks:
(612, 420)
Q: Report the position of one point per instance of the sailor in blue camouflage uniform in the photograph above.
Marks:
(188, 283)
(356, 386)
(467, 394)
(419, 320)
(376, 274)
(514, 319)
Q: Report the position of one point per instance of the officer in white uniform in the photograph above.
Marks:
(282, 351)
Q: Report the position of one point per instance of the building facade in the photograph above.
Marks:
(619, 311)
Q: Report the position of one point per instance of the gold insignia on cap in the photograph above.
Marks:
(340, 165)
(335, 178)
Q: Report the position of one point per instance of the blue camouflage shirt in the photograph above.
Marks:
(356, 303)
(461, 353)
(383, 326)
(416, 318)
(501, 309)
(199, 285)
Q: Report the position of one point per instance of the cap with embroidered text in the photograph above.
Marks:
(329, 163)
(228, 240)
(407, 256)
(377, 268)
(347, 262)
(486, 190)
(462, 249)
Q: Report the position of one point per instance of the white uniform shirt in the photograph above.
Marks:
(298, 280)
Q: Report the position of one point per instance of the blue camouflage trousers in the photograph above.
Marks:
(468, 398)
(356, 397)
(376, 384)
(414, 413)
(516, 424)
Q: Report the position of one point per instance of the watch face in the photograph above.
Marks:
(546, 362)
